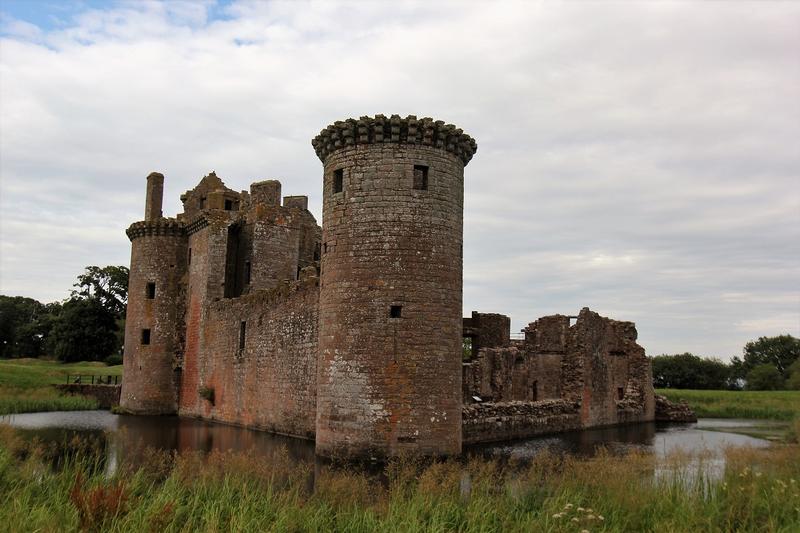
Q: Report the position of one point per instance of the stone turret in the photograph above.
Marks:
(155, 308)
(389, 369)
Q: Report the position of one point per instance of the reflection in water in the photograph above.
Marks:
(123, 439)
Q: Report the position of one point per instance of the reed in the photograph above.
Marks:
(757, 491)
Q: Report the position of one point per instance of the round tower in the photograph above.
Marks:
(152, 333)
(390, 327)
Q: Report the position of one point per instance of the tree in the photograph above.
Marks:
(793, 383)
(688, 371)
(84, 331)
(23, 326)
(109, 285)
(780, 352)
(764, 377)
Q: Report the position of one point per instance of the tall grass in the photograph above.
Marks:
(13, 400)
(771, 405)
(758, 491)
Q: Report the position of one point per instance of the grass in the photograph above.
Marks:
(761, 405)
(25, 384)
(759, 490)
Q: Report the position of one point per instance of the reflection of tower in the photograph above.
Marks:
(389, 371)
(158, 249)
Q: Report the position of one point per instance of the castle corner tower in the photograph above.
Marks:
(390, 326)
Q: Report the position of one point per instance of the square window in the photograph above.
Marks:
(151, 291)
(202, 202)
(421, 177)
(338, 180)
(228, 205)
(396, 311)
(620, 393)
(145, 337)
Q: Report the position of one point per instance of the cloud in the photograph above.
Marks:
(641, 159)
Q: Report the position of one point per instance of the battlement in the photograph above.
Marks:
(157, 227)
(408, 130)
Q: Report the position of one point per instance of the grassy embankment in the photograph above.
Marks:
(779, 410)
(759, 490)
(25, 384)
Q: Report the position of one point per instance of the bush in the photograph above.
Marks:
(113, 360)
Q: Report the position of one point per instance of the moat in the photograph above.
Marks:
(126, 438)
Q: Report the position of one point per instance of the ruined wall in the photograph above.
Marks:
(594, 366)
(390, 297)
(262, 373)
(153, 332)
(494, 422)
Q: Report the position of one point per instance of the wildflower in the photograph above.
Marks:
(584, 531)
(589, 510)
(758, 474)
(580, 509)
(558, 515)
(568, 506)
(600, 517)
(590, 516)
(575, 520)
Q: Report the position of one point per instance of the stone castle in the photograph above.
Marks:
(243, 310)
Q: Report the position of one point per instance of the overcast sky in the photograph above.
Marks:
(641, 159)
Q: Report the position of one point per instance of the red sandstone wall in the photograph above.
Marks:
(271, 383)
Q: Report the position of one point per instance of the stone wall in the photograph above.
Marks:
(107, 396)
(594, 364)
(261, 374)
(492, 422)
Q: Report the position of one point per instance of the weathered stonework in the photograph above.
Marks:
(243, 310)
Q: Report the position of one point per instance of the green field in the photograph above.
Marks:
(762, 405)
(25, 384)
(759, 490)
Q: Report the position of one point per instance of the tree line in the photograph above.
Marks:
(769, 363)
(88, 326)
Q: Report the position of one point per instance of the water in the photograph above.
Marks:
(126, 438)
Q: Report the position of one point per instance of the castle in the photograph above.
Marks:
(243, 310)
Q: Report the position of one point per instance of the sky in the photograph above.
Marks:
(641, 159)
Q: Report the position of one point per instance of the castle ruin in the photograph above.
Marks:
(243, 310)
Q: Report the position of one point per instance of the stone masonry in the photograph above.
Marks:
(243, 310)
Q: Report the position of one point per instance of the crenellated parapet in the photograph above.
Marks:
(394, 129)
(157, 227)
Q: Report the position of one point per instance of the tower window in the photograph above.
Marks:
(620, 393)
(228, 205)
(338, 180)
(189, 258)
(421, 177)
(145, 337)
(535, 391)
(396, 311)
(202, 202)
(242, 333)
(247, 272)
(151, 291)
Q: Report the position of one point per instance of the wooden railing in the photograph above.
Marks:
(93, 379)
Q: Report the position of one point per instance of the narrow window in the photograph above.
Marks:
(325, 248)
(421, 177)
(242, 333)
(228, 205)
(396, 311)
(145, 336)
(189, 259)
(535, 391)
(202, 202)
(247, 272)
(620, 393)
(338, 180)
(298, 272)
(151, 290)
